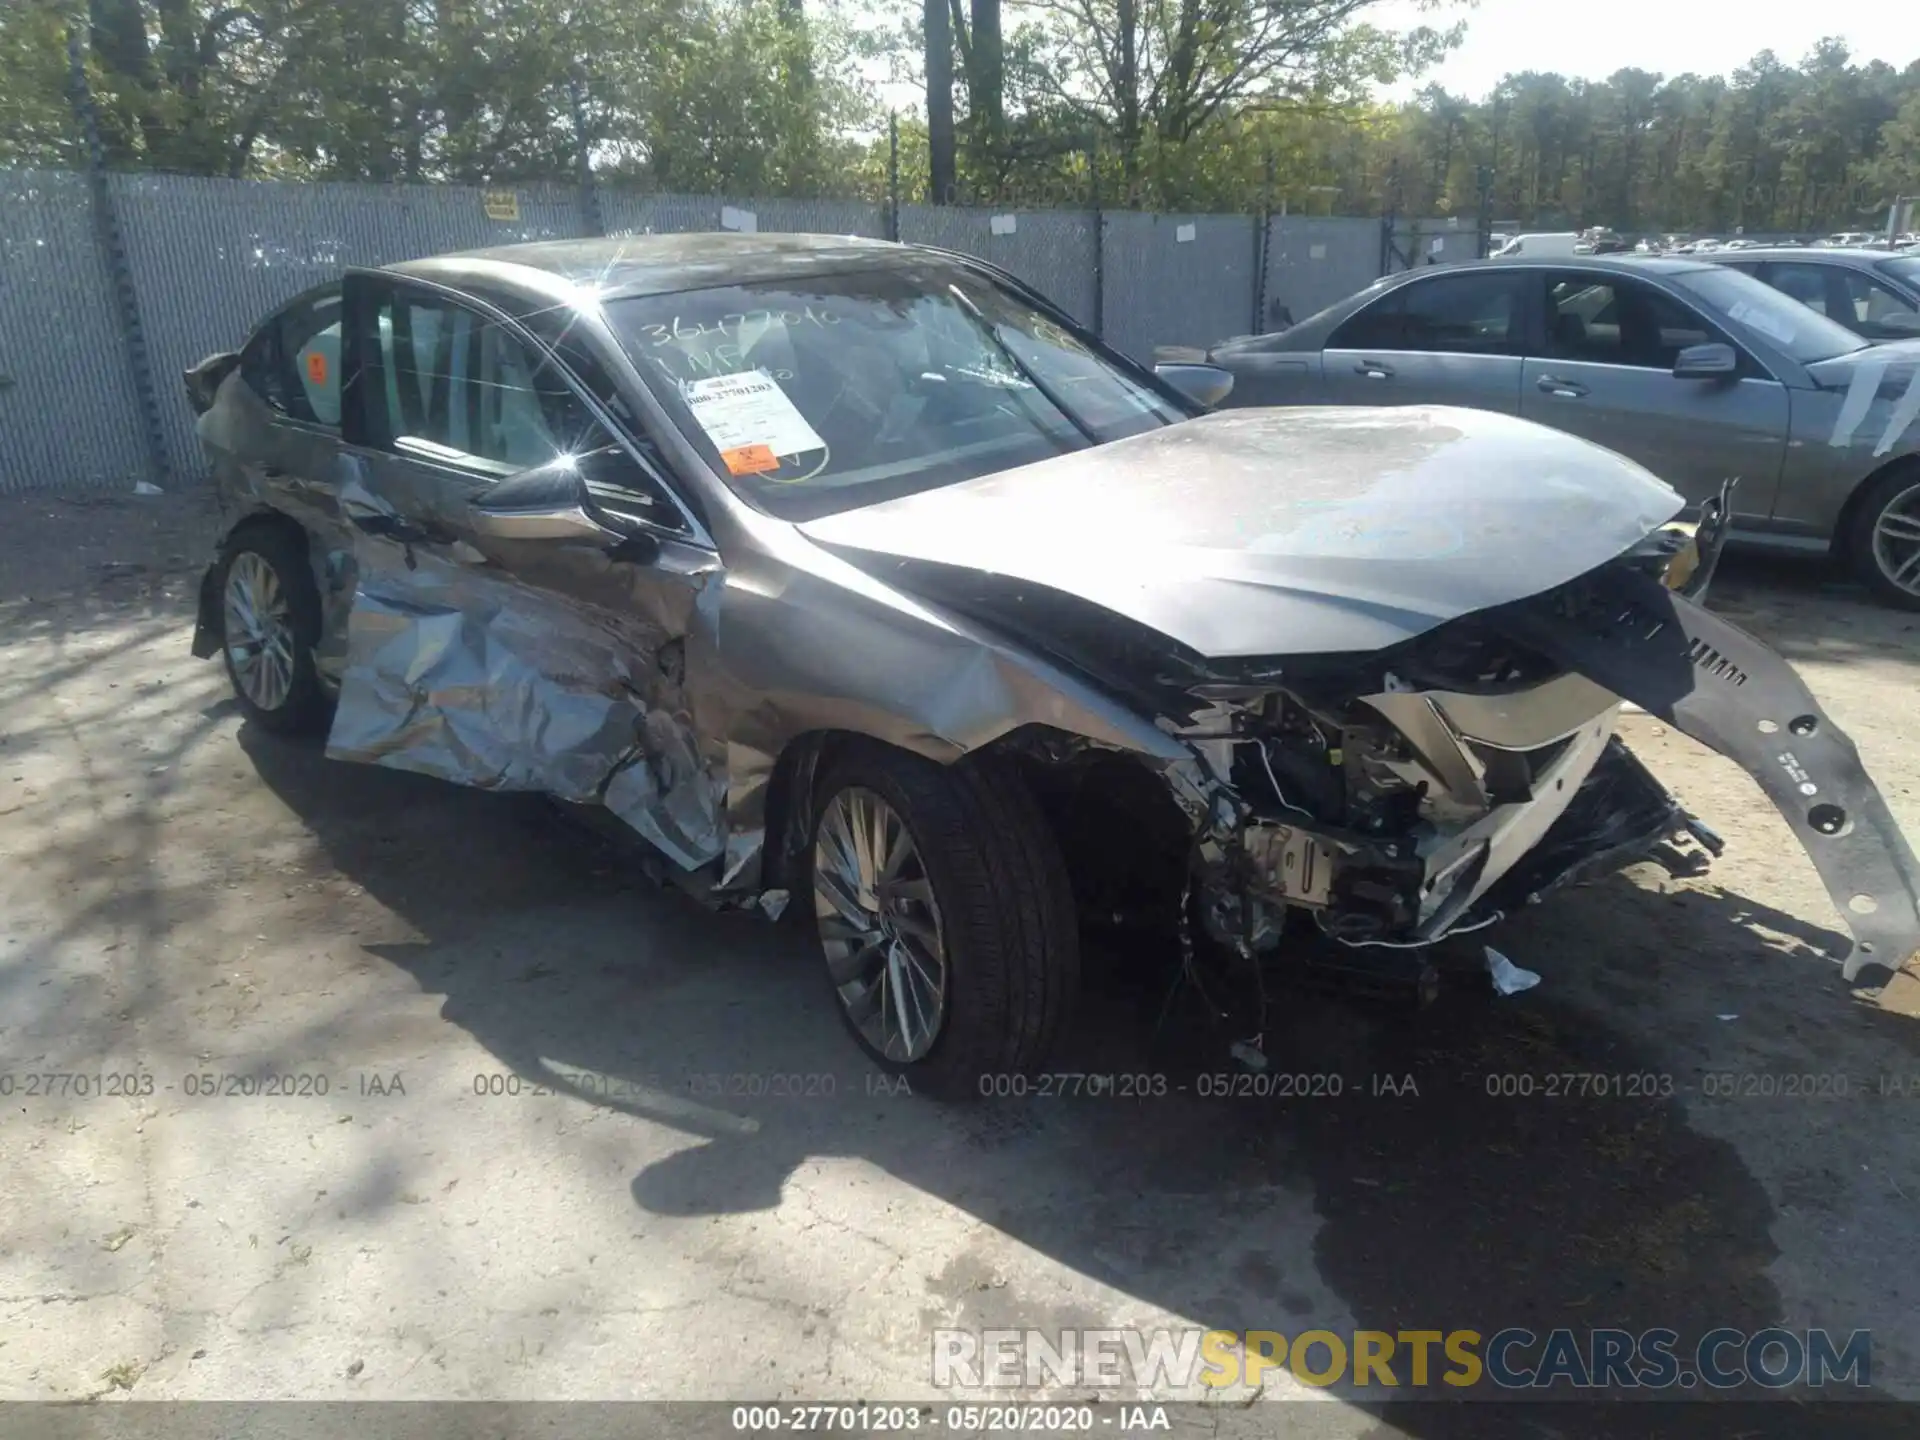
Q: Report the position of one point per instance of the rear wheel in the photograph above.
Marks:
(945, 917)
(1885, 539)
(270, 621)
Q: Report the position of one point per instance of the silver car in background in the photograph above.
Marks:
(1699, 372)
(1871, 292)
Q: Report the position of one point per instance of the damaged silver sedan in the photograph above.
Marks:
(859, 581)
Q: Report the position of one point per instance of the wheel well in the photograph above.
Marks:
(267, 520)
(1125, 841)
(788, 814)
(1850, 511)
(208, 623)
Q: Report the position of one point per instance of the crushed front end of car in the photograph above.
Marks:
(1403, 796)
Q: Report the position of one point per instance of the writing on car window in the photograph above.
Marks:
(816, 395)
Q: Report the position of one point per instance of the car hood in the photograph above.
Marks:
(1895, 363)
(1279, 531)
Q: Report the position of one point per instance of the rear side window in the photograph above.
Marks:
(1814, 286)
(1449, 314)
(1378, 327)
(293, 361)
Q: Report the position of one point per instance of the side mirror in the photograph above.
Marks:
(1205, 385)
(1705, 362)
(549, 502)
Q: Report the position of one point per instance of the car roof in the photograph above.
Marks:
(624, 266)
(1815, 253)
(1620, 263)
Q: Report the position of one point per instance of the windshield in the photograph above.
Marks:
(1806, 335)
(816, 395)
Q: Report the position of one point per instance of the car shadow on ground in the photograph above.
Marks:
(1442, 1186)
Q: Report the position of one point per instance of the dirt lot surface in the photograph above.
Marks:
(543, 1164)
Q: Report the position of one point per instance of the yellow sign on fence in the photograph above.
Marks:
(501, 205)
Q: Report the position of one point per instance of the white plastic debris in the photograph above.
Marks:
(1251, 1056)
(1729, 1017)
(773, 903)
(1508, 978)
(147, 487)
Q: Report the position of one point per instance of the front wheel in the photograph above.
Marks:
(270, 620)
(945, 916)
(1885, 538)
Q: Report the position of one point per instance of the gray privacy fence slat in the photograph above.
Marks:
(1435, 242)
(69, 418)
(1315, 260)
(210, 258)
(1176, 279)
(627, 214)
(1052, 250)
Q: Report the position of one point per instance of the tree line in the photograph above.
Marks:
(1156, 104)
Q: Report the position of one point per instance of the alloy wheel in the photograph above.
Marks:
(259, 631)
(1896, 540)
(879, 925)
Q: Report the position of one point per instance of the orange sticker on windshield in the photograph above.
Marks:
(316, 367)
(750, 460)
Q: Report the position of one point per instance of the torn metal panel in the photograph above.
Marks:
(469, 676)
(1713, 681)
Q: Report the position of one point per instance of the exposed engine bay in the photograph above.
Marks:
(1398, 797)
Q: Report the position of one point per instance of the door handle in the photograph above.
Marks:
(1565, 389)
(1374, 370)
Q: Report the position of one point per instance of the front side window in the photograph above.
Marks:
(1611, 321)
(451, 386)
(814, 395)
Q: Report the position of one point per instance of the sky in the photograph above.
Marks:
(1669, 37)
(1590, 41)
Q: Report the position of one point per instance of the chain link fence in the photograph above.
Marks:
(206, 259)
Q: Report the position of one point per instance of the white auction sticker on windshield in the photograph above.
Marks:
(750, 420)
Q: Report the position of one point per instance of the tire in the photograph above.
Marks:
(296, 704)
(1895, 494)
(1001, 906)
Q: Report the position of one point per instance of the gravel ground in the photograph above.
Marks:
(184, 897)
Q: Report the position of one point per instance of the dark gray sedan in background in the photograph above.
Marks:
(1699, 372)
(1874, 294)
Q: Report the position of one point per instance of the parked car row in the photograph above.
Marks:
(864, 584)
(1694, 369)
